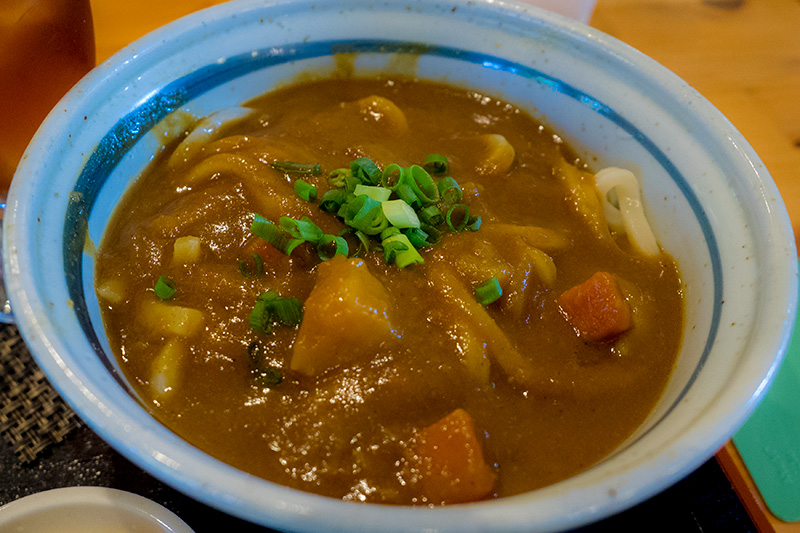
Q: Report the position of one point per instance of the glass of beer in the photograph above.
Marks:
(46, 46)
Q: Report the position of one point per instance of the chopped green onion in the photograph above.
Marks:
(269, 307)
(261, 317)
(407, 194)
(275, 234)
(474, 223)
(488, 291)
(342, 212)
(436, 164)
(255, 351)
(350, 183)
(398, 249)
(303, 229)
(264, 373)
(379, 194)
(287, 310)
(332, 200)
(261, 225)
(290, 167)
(268, 296)
(366, 171)
(365, 214)
(291, 244)
(453, 222)
(434, 235)
(269, 376)
(305, 190)
(337, 178)
(270, 232)
(417, 237)
(432, 215)
(331, 243)
(357, 240)
(246, 271)
(449, 190)
(400, 205)
(391, 176)
(389, 232)
(400, 214)
(165, 288)
(363, 240)
(422, 184)
(393, 247)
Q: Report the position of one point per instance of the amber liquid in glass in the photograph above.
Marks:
(46, 46)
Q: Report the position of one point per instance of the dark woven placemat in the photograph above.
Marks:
(32, 414)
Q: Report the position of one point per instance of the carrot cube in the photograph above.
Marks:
(269, 254)
(450, 461)
(596, 308)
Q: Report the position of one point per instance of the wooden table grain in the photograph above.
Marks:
(742, 55)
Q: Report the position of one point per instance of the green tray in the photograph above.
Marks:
(769, 442)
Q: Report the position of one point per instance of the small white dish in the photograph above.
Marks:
(88, 510)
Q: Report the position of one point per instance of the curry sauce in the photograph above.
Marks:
(386, 359)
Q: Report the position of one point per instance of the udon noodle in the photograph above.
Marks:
(625, 212)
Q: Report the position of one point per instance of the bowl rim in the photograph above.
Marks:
(46, 350)
(57, 502)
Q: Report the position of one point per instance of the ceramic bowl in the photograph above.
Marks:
(712, 204)
(88, 509)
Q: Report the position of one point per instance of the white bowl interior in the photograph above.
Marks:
(711, 202)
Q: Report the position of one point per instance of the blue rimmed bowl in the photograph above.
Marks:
(712, 204)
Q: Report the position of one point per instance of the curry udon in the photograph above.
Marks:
(387, 290)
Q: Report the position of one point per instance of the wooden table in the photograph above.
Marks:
(743, 55)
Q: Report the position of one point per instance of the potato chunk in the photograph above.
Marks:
(166, 368)
(186, 250)
(113, 290)
(166, 319)
(345, 318)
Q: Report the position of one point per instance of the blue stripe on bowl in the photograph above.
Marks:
(124, 135)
